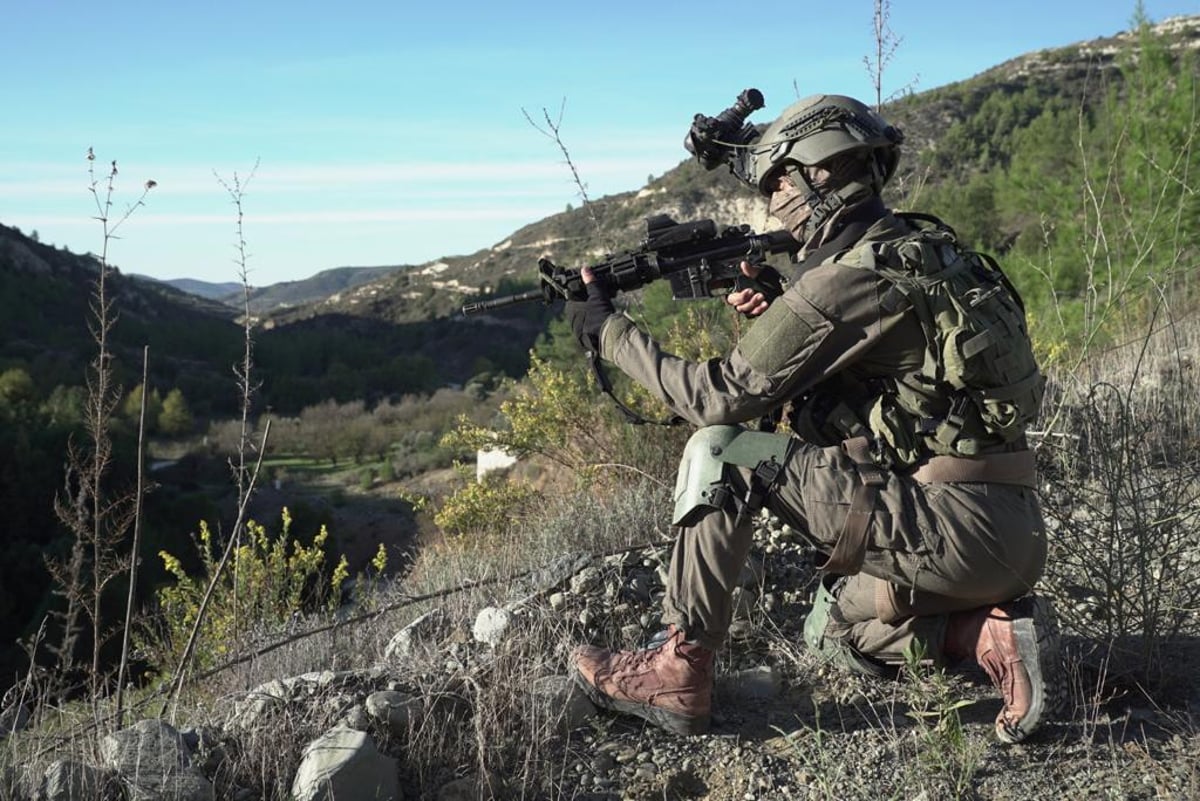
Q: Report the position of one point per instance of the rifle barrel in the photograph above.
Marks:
(507, 300)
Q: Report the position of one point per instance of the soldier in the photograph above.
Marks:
(905, 371)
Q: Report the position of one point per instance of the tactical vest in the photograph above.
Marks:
(979, 385)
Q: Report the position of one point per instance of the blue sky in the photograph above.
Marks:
(395, 133)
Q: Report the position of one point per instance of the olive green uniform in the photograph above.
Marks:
(931, 547)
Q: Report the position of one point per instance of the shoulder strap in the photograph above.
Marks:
(914, 218)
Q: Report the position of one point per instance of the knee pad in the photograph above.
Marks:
(705, 478)
(825, 634)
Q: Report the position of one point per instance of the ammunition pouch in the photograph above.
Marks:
(704, 482)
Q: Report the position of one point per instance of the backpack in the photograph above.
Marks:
(978, 352)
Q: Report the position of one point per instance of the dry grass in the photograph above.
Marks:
(1119, 489)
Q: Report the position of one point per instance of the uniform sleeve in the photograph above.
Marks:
(826, 320)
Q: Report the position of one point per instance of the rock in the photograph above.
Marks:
(395, 710)
(150, 743)
(207, 747)
(344, 765)
(761, 683)
(586, 580)
(153, 762)
(472, 788)
(427, 627)
(357, 719)
(66, 780)
(320, 682)
(558, 699)
(187, 786)
(250, 709)
(491, 625)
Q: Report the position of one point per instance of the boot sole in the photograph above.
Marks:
(1038, 646)
(671, 721)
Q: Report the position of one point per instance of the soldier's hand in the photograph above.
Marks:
(587, 317)
(748, 301)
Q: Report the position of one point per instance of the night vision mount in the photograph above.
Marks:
(723, 139)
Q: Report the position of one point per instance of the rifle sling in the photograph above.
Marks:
(631, 416)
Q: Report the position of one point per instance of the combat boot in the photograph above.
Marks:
(1016, 643)
(668, 684)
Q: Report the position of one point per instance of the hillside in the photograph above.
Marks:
(45, 296)
(443, 678)
(325, 284)
(203, 289)
(952, 132)
(45, 302)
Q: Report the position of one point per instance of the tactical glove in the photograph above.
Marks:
(587, 317)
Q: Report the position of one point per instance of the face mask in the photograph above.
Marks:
(789, 207)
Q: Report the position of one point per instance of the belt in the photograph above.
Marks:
(850, 549)
(1017, 467)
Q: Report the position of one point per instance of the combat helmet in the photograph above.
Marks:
(815, 131)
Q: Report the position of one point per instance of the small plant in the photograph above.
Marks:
(277, 578)
(97, 518)
(483, 508)
(824, 768)
(945, 759)
(366, 479)
(367, 584)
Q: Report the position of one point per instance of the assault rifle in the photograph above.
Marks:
(699, 260)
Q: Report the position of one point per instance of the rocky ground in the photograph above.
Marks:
(786, 726)
(474, 703)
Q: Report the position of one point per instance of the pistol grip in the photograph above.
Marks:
(768, 283)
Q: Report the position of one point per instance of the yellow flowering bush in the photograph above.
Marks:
(484, 508)
(269, 579)
(553, 412)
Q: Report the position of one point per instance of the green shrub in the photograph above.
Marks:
(268, 580)
(484, 508)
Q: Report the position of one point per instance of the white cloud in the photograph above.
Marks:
(321, 216)
(25, 183)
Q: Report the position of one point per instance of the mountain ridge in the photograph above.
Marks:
(1068, 75)
(941, 126)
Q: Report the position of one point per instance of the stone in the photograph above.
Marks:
(558, 700)
(149, 744)
(425, 628)
(395, 710)
(250, 709)
(67, 780)
(491, 625)
(357, 718)
(586, 580)
(473, 788)
(759, 683)
(153, 762)
(345, 765)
